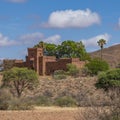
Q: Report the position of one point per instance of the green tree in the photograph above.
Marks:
(19, 79)
(72, 49)
(109, 79)
(101, 43)
(40, 44)
(68, 48)
(49, 48)
(97, 65)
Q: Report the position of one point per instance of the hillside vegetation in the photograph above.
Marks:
(110, 54)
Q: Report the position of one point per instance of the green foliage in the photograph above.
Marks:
(49, 48)
(19, 79)
(72, 70)
(96, 65)
(59, 74)
(68, 48)
(109, 79)
(101, 43)
(65, 102)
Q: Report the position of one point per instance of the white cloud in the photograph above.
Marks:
(16, 1)
(32, 38)
(92, 42)
(29, 39)
(53, 39)
(72, 19)
(5, 41)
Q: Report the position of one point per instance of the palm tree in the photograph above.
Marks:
(101, 43)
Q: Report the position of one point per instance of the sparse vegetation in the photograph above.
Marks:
(111, 112)
(72, 70)
(59, 74)
(65, 101)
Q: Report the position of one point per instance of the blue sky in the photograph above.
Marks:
(23, 23)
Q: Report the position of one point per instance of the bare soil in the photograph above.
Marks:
(41, 113)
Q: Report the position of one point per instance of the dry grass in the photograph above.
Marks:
(42, 113)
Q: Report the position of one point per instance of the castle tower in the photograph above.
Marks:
(32, 60)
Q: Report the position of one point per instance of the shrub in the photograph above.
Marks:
(59, 74)
(41, 101)
(109, 79)
(72, 70)
(111, 112)
(20, 104)
(5, 97)
(65, 102)
(96, 65)
(85, 71)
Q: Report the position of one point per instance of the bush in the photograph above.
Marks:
(85, 71)
(65, 102)
(59, 74)
(8, 102)
(20, 104)
(109, 79)
(41, 101)
(72, 70)
(96, 65)
(5, 97)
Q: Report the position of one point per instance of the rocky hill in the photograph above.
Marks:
(110, 54)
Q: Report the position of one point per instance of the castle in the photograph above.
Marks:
(46, 65)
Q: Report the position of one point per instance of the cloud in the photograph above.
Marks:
(5, 41)
(29, 39)
(56, 39)
(17, 1)
(32, 38)
(92, 42)
(72, 19)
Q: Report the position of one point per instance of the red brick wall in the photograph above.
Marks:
(46, 65)
(78, 63)
(57, 65)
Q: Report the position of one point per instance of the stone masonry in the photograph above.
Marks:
(46, 65)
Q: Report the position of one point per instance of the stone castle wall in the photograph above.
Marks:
(46, 65)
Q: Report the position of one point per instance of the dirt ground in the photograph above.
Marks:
(42, 113)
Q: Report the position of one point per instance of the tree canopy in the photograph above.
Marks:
(67, 49)
(19, 79)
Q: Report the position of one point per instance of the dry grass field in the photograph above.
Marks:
(41, 113)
